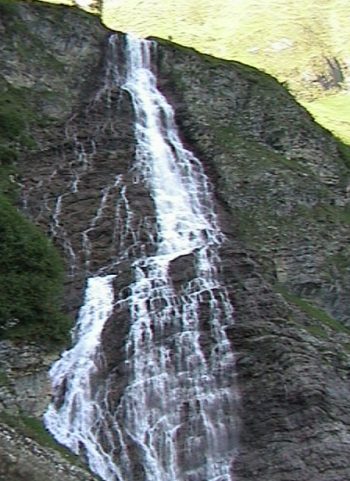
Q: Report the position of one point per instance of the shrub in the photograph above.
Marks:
(31, 279)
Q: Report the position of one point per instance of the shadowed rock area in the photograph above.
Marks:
(281, 187)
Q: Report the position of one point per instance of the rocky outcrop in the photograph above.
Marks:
(282, 180)
(25, 387)
(22, 458)
(27, 451)
(281, 186)
(282, 177)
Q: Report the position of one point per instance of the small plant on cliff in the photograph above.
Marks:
(7, 6)
(31, 275)
(34, 429)
(15, 116)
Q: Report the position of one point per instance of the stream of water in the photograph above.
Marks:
(175, 419)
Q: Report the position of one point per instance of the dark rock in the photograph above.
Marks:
(280, 185)
(182, 269)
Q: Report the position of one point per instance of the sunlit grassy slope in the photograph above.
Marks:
(294, 40)
(288, 38)
(334, 113)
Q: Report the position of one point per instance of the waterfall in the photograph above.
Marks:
(175, 417)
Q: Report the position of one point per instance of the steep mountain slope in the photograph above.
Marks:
(281, 192)
(303, 44)
(283, 188)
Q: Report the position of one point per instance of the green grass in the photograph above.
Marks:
(334, 112)
(286, 39)
(314, 312)
(35, 429)
(294, 41)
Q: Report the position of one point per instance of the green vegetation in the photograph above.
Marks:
(344, 152)
(334, 112)
(304, 44)
(314, 312)
(31, 272)
(287, 39)
(7, 6)
(30, 281)
(15, 118)
(34, 429)
(30, 427)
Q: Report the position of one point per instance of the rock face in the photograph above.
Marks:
(21, 458)
(283, 182)
(281, 185)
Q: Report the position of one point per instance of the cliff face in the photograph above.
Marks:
(283, 183)
(281, 186)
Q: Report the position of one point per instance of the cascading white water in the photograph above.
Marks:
(174, 419)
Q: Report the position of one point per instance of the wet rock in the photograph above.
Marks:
(182, 270)
(279, 182)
